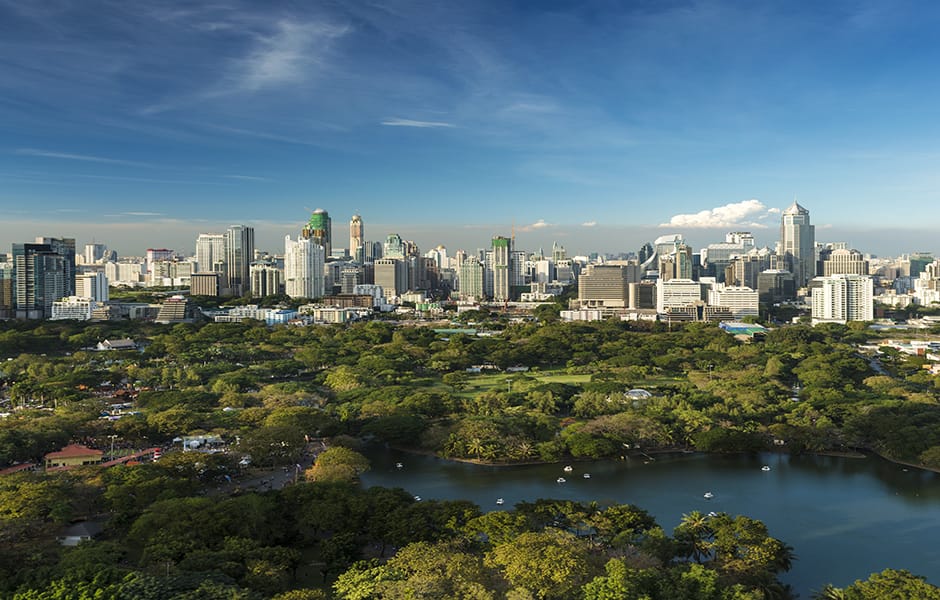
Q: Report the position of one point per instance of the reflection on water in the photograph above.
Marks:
(845, 517)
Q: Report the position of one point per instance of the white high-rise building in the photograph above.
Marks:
(470, 279)
(843, 298)
(303, 268)
(94, 253)
(92, 285)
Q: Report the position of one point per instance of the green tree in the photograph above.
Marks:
(547, 564)
(337, 464)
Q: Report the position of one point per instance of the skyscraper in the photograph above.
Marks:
(798, 244)
(303, 268)
(356, 239)
(64, 247)
(239, 252)
(210, 252)
(319, 230)
(502, 253)
(40, 278)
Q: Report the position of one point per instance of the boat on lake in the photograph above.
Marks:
(568, 469)
(560, 480)
(499, 501)
(586, 476)
(765, 468)
(708, 495)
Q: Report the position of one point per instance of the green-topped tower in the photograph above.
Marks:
(319, 230)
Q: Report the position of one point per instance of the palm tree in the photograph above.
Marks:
(694, 534)
(830, 593)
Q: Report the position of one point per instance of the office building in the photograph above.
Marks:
(843, 261)
(319, 230)
(605, 286)
(674, 293)
(205, 284)
(239, 253)
(775, 286)
(798, 244)
(391, 274)
(210, 253)
(741, 301)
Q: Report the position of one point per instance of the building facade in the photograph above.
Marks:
(304, 263)
(843, 298)
(798, 244)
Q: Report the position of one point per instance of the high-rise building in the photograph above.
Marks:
(265, 280)
(64, 247)
(603, 286)
(210, 252)
(502, 268)
(94, 253)
(92, 285)
(356, 238)
(394, 247)
(239, 252)
(392, 275)
(6, 287)
(798, 244)
(319, 230)
(843, 261)
(470, 279)
(843, 298)
(41, 276)
(303, 268)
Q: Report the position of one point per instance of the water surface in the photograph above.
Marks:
(845, 517)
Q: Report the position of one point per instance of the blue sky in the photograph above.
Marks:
(600, 124)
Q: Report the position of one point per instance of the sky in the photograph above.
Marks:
(599, 124)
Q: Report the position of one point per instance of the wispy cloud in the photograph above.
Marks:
(292, 53)
(413, 123)
(746, 213)
(589, 224)
(246, 177)
(142, 214)
(79, 157)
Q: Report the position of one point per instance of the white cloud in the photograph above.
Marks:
(292, 54)
(746, 213)
(79, 157)
(540, 224)
(589, 224)
(412, 123)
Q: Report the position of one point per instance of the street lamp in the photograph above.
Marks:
(112, 436)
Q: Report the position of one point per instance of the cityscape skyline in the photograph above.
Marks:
(600, 126)
(134, 239)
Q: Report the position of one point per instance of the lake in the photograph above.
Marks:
(844, 517)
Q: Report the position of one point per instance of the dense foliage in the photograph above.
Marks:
(532, 390)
